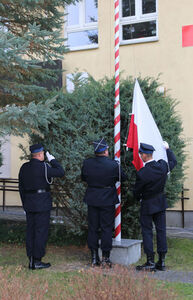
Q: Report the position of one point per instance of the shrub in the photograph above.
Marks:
(88, 114)
(14, 232)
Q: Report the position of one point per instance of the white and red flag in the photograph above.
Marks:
(143, 129)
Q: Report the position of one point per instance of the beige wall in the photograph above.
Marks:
(12, 198)
(166, 56)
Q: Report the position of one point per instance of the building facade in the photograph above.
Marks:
(152, 42)
(152, 34)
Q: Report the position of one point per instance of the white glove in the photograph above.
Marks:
(49, 156)
(166, 145)
(116, 159)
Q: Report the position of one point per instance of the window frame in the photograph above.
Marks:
(139, 17)
(82, 26)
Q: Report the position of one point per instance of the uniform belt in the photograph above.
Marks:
(39, 191)
(101, 187)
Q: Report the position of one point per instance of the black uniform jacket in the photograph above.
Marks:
(32, 177)
(101, 173)
(150, 183)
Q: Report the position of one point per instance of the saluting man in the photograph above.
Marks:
(101, 173)
(35, 178)
(149, 189)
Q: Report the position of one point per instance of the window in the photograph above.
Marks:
(138, 21)
(82, 26)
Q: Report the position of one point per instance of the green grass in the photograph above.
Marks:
(21, 283)
(183, 291)
(14, 255)
(68, 273)
(179, 256)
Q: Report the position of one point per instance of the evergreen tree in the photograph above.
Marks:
(0, 156)
(30, 44)
(88, 114)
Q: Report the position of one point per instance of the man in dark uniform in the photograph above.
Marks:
(35, 178)
(101, 173)
(149, 189)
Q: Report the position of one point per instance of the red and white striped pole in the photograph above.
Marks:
(117, 124)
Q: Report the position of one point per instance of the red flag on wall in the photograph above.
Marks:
(187, 36)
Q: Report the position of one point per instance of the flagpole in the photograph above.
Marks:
(117, 123)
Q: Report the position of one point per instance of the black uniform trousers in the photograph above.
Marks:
(37, 233)
(100, 218)
(159, 219)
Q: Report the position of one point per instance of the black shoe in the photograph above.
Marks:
(106, 260)
(106, 263)
(95, 258)
(31, 263)
(40, 265)
(149, 266)
(160, 264)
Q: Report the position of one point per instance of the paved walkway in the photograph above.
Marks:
(19, 215)
(180, 232)
(173, 276)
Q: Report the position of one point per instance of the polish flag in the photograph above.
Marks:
(143, 129)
